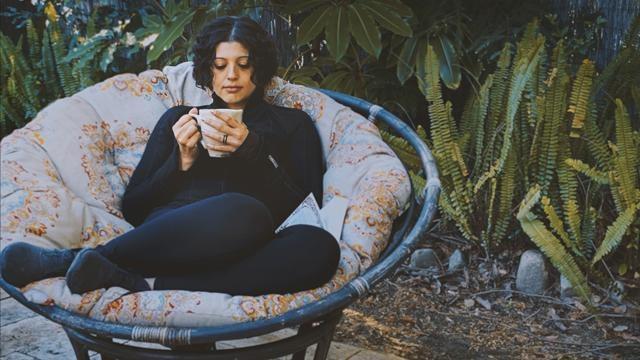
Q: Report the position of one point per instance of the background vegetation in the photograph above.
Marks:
(535, 130)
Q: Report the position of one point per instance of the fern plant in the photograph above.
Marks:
(529, 132)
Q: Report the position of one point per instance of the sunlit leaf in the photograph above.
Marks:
(168, 36)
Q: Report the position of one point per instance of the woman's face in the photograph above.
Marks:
(232, 74)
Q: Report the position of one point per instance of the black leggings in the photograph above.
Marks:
(226, 244)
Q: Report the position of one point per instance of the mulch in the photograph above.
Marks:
(477, 313)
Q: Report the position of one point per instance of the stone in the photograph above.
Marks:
(456, 260)
(532, 273)
(424, 258)
(617, 291)
(566, 289)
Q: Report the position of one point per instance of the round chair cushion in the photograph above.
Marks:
(64, 174)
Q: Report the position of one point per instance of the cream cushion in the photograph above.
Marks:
(64, 174)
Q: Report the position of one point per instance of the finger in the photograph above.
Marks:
(219, 147)
(220, 126)
(193, 111)
(186, 132)
(184, 119)
(219, 137)
(229, 120)
(193, 140)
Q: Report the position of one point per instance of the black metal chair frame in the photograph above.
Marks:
(316, 322)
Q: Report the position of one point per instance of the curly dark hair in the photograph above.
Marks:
(262, 49)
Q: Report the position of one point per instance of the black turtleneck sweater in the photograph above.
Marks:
(279, 163)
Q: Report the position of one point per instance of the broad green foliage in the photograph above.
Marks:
(358, 19)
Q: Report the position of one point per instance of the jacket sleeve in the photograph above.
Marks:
(284, 184)
(157, 172)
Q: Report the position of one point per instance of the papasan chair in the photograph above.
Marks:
(64, 173)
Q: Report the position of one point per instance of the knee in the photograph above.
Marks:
(324, 249)
(253, 212)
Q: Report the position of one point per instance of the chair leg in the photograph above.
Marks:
(301, 330)
(81, 351)
(322, 350)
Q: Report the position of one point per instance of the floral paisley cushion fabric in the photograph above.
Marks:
(64, 174)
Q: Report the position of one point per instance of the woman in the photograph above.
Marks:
(206, 223)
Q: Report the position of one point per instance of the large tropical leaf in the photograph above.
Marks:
(337, 32)
(396, 6)
(313, 24)
(449, 67)
(406, 60)
(364, 29)
(388, 19)
(296, 6)
(166, 38)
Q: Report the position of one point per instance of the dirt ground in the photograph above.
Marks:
(474, 313)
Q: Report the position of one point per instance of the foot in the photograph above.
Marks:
(22, 263)
(90, 271)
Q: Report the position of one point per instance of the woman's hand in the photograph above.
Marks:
(186, 133)
(236, 133)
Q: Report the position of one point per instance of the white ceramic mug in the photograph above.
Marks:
(209, 130)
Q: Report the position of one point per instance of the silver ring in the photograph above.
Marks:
(224, 139)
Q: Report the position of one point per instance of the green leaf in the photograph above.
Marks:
(421, 65)
(449, 66)
(296, 6)
(397, 6)
(364, 29)
(168, 36)
(335, 80)
(313, 25)
(406, 60)
(615, 232)
(388, 19)
(337, 32)
(107, 57)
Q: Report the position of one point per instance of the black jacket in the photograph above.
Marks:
(279, 163)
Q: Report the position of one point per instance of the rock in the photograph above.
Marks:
(424, 258)
(456, 260)
(532, 273)
(617, 291)
(566, 289)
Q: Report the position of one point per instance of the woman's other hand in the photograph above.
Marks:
(186, 133)
(236, 133)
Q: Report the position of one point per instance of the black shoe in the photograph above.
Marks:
(90, 271)
(22, 263)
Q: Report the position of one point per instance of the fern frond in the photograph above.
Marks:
(550, 245)
(600, 177)
(443, 133)
(626, 157)
(568, 188)
(522, 71)
(579, 99)
(615, 232)
(555, 107)
(418, 184)
(403, 149)
(497, 101)
(507, 192)
(556, 223)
